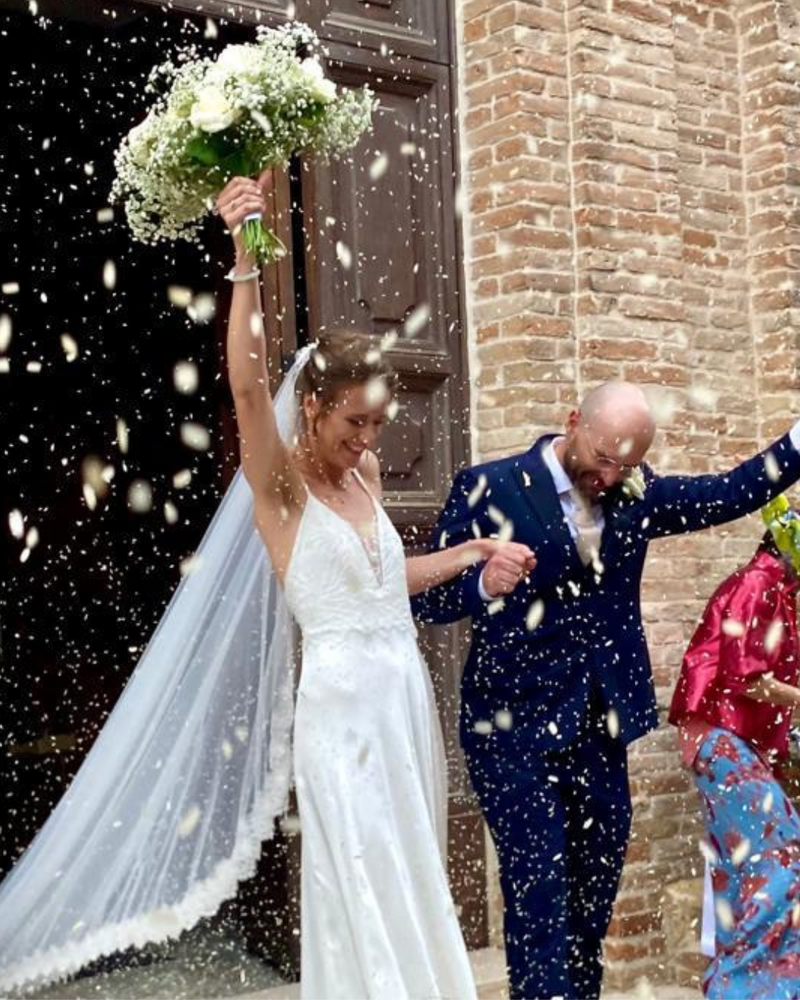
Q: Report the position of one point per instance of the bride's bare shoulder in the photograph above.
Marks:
(369, 468)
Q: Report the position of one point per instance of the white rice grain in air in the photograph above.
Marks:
(733, 628)
(179, 296)
(122, 436)
(69, 346)
(140, 496)
(774, 635)
(195, 436)
(535, 614)
(378, 167)
(741, 852)
(186, 377)
(771, 467)
(343, 254)
(5, 332)
(189, 822)
(504, 720)
(16, 523)
(477, 491)
(417, 320)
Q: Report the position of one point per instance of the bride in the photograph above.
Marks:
(169, 809)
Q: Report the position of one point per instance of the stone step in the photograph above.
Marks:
(488, 967)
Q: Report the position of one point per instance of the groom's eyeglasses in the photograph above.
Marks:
(604, 461)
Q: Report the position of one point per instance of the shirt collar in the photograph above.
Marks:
(561, 480)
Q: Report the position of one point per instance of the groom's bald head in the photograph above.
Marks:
(619, 413)
(608, 433)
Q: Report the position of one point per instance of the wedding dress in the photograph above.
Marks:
(377, 916)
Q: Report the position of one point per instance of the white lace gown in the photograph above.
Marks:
(377, 916)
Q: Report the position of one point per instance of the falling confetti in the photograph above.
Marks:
(612, 723)
(202, 308)
(10, 288)
(477, 491)
(189, 822)
(5, 332)
(105, 215)
(378, 167)
(344, 255)
(122, 436)
(504, 720)
(417, 320)
(190, 565)
(535, 615)
(16, 523)
(724, 913)
(195, 436)
(733, 628)
(774, 635)
(179, 296)
(771, 467)
(69, 347)
(182, 479)
(110, 275)
(376, 392)
(171, 515)
(741, 852)
(140, 496)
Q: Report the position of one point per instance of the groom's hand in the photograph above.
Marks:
(504, 570)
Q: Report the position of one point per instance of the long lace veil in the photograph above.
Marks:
(188, 775)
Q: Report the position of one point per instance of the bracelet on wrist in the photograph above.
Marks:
(235, 276)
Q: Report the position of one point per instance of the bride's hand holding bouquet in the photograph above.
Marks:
(252, 107)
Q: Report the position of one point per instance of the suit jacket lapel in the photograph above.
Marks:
(539, 491)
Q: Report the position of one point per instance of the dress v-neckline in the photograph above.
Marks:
(375, 569)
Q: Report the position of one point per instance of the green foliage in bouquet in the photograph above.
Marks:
(250, 108)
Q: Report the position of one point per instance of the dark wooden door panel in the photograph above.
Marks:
(418, 28)
(383, 258)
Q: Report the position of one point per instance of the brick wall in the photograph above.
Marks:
(631, 177)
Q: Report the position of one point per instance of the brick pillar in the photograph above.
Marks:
(770, 49)
(518, 225)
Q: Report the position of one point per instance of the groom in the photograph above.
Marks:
(558, 682)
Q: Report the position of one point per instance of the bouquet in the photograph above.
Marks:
(250, 108)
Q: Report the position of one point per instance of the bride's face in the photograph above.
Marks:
(340, 431)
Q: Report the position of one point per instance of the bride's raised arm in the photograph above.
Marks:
(277, 486)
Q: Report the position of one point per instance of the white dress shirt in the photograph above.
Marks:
(563, 485)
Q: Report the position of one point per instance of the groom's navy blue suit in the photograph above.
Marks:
(547, 712)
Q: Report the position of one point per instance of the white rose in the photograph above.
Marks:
(240, 60)
(211, 112)
(323, 89)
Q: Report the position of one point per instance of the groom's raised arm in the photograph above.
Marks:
(677, 504)
(458, 598)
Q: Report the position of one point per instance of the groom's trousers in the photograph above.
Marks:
(560, 822)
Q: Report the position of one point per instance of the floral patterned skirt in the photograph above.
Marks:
(754, 832)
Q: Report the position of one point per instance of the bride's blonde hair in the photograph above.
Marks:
(342, 358)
